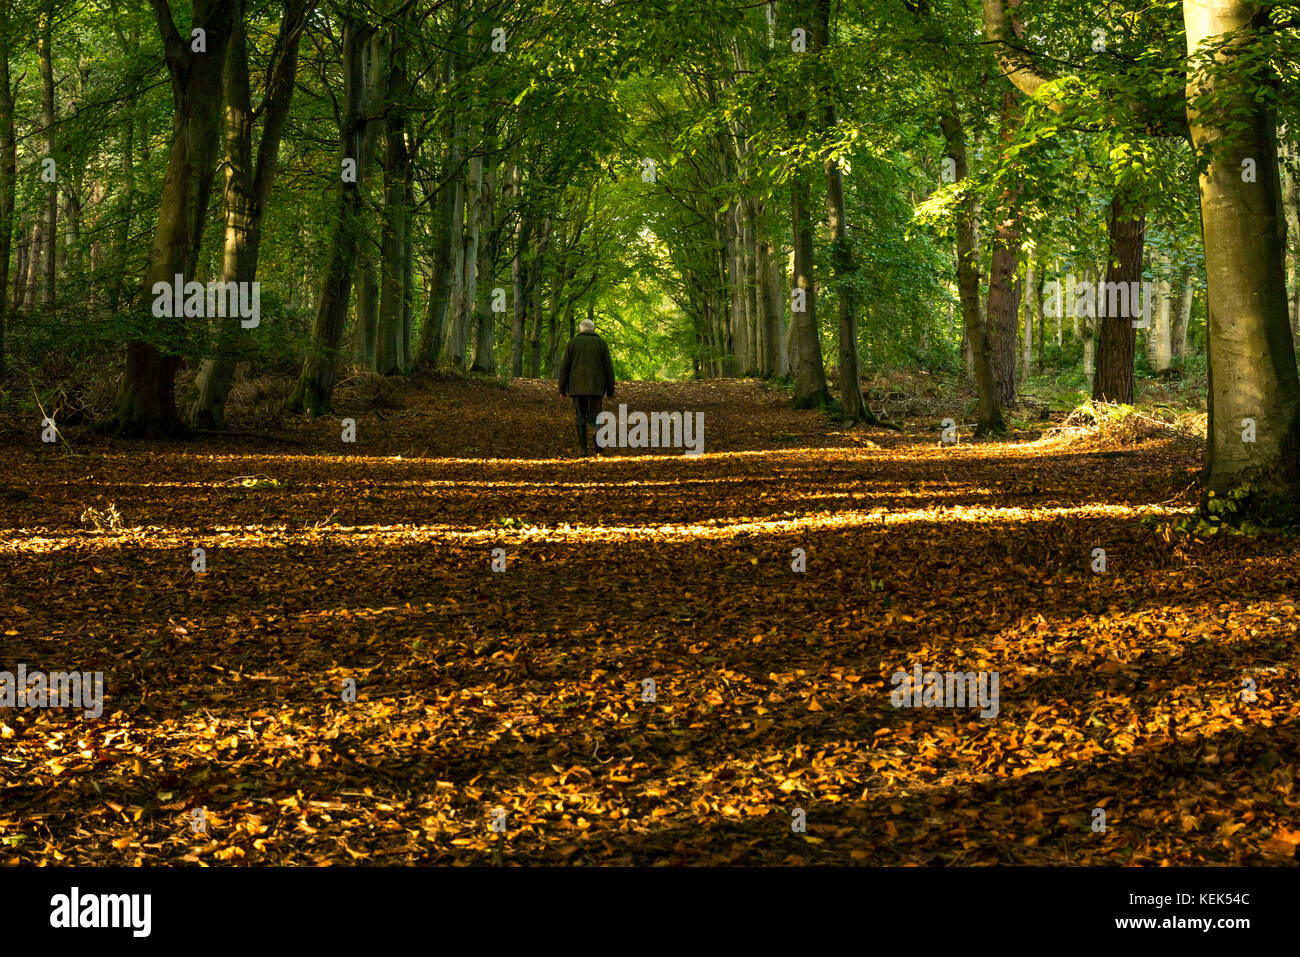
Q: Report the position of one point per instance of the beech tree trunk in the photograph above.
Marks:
(365, 55)
(1116, 334)
(49, 261)
(8, 178)
(146, 402)
(1291, 203)
(390, 352)
(247, 191)
(1159, 337)
(1029, 304)
(968, 281)
(473, 234)
(854, 409)
(1004, 274)
(1251, 353)
(1182, 314)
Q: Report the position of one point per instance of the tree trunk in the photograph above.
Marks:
(473, 237)
(854, 409)
(45, 57)
(1251, 355)
(1028, 302)
(1040, 321)
(1182, 314)
(367, 329)
(968, 281)
(21, 261)
(540, 247)
(32, 279)
(365, 55)
(1117, 337)
(810, 376)
(1004, 273)
(767, 319)
(1159, 336)
(390, 354)
(146, 399)
(456, 319)
(736, 286)
(438, 305)
(247, 191)
(518, 275)
(1291, 203)
(485, 339)
(8, 178)
(750, 274)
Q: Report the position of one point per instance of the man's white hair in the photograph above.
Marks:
(586, 326)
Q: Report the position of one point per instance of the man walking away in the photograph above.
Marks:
(586, 374)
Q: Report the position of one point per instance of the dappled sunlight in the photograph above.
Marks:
(499, 617)
(281, 536)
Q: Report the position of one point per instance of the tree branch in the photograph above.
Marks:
(174, 47)
(1020, 68)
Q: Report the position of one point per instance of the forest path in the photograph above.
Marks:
(524, 689)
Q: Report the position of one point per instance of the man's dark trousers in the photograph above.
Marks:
(586, 408)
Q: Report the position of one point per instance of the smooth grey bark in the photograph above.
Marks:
(1252, 364)
(1182, 313)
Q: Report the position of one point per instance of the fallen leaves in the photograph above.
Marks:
(522, 689)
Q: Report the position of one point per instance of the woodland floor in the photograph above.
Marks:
(522, 689)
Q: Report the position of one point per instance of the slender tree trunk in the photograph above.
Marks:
(390, 355)
(1251, 354)
(779, 291)
(768, 318)
(22, 260)
(1030, 303)
(128, 44)
(810, 376)
(8, 178)
(1004, 275)
(540, 247)
(736, 286)
(247, 191)
(535, 319)
(484, 341)
(1060, 315)
(519, 276)
(36, 252)
(1117, 337)
(438, 305)
(749, 272)
(1182, 314)
(1159, 336)
(854, 409)
(456, 318)
(1040, 321)
(968, 281)
(365, 55)
(473, 234)
(44, 52)
(367, 328)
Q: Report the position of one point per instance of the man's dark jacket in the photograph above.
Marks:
(587, 368)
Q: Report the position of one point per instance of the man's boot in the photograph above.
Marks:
(582, 437)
